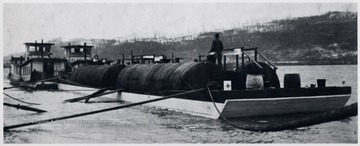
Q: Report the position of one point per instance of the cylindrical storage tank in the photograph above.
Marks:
(170, 76)
(96, 75)
(292, 81)
(254, 82)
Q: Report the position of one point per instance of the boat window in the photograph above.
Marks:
(76, 50)
(47, 49)
(72, 50)
(81, 50)
(32, 48)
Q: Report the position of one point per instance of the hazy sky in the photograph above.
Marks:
(29, 22)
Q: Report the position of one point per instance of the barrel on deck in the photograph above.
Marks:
(146, 78)
(269, 76)
(96, 75)
(292, 81)
(254, 82)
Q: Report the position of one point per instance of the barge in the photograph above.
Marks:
(246, 86)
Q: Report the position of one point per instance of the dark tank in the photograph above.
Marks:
(150, 78)
(96, 75)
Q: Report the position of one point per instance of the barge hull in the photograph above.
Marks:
(246, 106)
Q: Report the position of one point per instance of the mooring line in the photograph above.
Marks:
(100, 111)
(78, 84)
(78, 90)
(28, 83)
(95, 94)
(21, 100)
(220, 115)
(18, 106)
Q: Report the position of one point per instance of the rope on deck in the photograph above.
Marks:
(20, 100)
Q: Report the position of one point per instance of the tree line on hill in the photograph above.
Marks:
(330, 38)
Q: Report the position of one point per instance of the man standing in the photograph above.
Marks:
(217, 48)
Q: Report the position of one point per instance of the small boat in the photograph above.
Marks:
(37, 64)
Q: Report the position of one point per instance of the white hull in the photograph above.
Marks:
(244, 107)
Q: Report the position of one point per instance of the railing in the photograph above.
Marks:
(253, 60)
(242, 51)
(267, 60)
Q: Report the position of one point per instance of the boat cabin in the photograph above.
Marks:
(37, 64)
(79, 55)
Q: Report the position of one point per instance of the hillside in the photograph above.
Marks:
(331, 37)
(328, 38)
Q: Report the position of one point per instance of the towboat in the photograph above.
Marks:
(37, 64)
(245, 86)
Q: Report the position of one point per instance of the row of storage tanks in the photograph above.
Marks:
(168, 76)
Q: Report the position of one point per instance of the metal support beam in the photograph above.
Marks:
(85, 51)
(225, 62)
(242, 60)
(132, 57)
(255, 56)
(237, 62)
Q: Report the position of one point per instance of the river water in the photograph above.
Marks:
(143, 124)
(335, 75)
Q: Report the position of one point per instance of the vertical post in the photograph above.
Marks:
(237, 62)
(42, 49)
(153, 61)
(85, 51)
(172, 57)
(36, 46)
(27, 52)
(225, 62)
(44, 65)
(256, 52)
(132, 57)
(69, 51)
(242, 60)
(199, 57)
(123, 59)
(243, 85)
